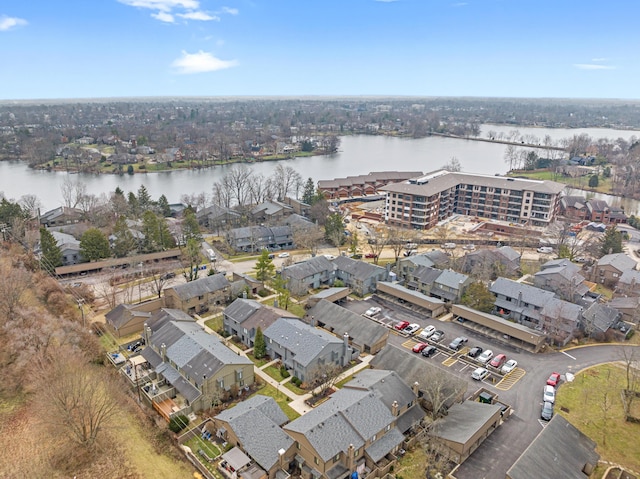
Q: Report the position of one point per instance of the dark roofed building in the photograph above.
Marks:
(360, 276)
(257, 238)
(559, 451)
(364, 334)
(243, 317)
(126, 319)
(309, 274)
(199, 295)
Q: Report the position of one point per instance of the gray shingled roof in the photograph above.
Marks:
(415, 294)
(252, 314)
(452, 279)
(601, 316)
(263, 415)
(386, 384)
(560, 450)
(301, 339)
(463, 420)
(308, 268)
(122, 314)
(384, 445)
(341, 320)
(630, 277)
(512, 289)
(202, 286)
(619, 261)
(426, 274)
(508, 252)
(360, 270)
(184, 387)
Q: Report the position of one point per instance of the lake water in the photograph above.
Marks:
(358, 155)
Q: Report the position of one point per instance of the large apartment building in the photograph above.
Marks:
(422, 202)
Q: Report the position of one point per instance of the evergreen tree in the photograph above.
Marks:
(51, 255)
(280, 285)
(309, 192)
(334, 229)
(593, 181)
(124, 243)
(94, 245)
(163, 206)
(611, 241)
(191, 260)
(144, 198)
(264, 266)
(190, 226)
(134, 207)
(259, 345)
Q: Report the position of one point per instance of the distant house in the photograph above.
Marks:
(243, 317)
(559, 450)
(364, 334)
(628, 283)
(360, 276)
(434, 258)
(303, 348)
(520, 302)
(270, 211)
(126, 319)
(574, 207)
(61, 216)
(562, 277)
(503, 261)
(254, 425)
(217, 218)
(610, 268)
(599, 318)
(362, 185)
(560, 320)
(309, 274)
(629, 307)
(421, 279)
(194, 364)
(356, 429)
(257, 238)
(69, 247)
(199, 295)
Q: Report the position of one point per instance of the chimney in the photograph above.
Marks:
(415, 388)
(313, 321)
(345, 346)
(281, 453)
(519, 303)
(350, 458)
(394, 408)
(147, 334)
(163, 351)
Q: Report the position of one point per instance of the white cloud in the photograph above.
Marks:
(163, 5)
(7, 23)
(230, 11)
(598, 60)
(200, 62)
(199, 15)
(163, 17)
(593, 66)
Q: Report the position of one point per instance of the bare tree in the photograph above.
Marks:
(72, 192)
(237, 180)
(78, 397)
(14, 283)
(309, 238)
(440, 390)
(286, 181)
(31, 204)
(377, 242)
(324, 377)
(399, 238)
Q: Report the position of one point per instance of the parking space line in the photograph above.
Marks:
(510, 379)
(409, 343)
(450, 361)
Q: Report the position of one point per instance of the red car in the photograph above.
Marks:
(418, 347)
(554, 379)
(498, 360)
(401, 325)
(371, 255)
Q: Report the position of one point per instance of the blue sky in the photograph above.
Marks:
(504, 48)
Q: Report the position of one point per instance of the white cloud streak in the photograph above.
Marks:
(164, 17)
(230, 11)
(7, 23)
(163, 5)
(199, 15)
(593, 66)
(200, 62)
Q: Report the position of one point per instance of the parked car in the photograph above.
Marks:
(549, 394)
(554, 379)
(412, 328)
(485, 356)
(509, 366)
(371, 255)
(469, 247)
(419, 347)
(475, 352)
(457, 343)
(283, 255)
(168, 275)
(498, 361)
(547, 411)
(400, 325)
(372, 311)
(437, 336)
(410, 252)
(427, 332)
(480, 373)
(545, 249)
(429, 351)
(449, 246)
(271, 256)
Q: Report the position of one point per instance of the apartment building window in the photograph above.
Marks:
(337, 458)
(315, 459)
(297, 445)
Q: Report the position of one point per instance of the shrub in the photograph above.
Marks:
(263, 293)
(178, 423)
(142, 167)
(283, 371)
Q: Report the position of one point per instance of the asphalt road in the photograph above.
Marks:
(500, 450)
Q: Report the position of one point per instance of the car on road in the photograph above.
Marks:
(549, 394)
(449, 246)
(410, 252)
(480, 373)
(400, 325)
(469, 247)
(486, 355)
(509, 366)
(371, 255)
(429, 351)
(283, 255)
(547, 411)
(475, 352)
(372, 311)
(419, 347)
(554, 379)
(498, 361)
(427, 332)
(168, 275)
(545, 249)
(437, 336)
(412, 328)
(271, 256)
(457, 343)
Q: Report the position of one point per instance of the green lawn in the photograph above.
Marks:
(215, 323)
(292, 387)
(258, 362)
(604, 184)
(274, 372)
(582, 403)
(196, 443)
(281, 399)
